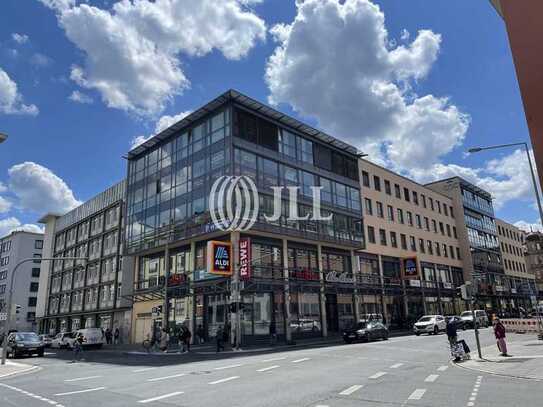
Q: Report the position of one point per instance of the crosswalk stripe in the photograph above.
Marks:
(378, 375)
(417, 394)
(397, 365)
(431, 378)
(351, 390)
(265, 369)
(160, 397)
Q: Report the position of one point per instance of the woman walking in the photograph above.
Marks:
(499, 333)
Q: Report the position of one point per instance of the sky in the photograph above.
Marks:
(413, 84)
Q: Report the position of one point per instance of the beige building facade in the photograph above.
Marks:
(512, 245)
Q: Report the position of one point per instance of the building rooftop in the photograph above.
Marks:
(254, 105)
(466, 184)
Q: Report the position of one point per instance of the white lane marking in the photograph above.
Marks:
(417, 394)
(227, 367)
(273, 359)
(80, 391)
(431, 378)
(321, 405)
(378, 375)
(471, 404)
(351, 390)
(145, 369)
(156, 379)
(82, 378)
(265, 369)
(227, 379)
(26, 393)
(442, 368)
(300, 360)
(397, 365)
(164, 396)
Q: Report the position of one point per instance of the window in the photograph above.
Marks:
(423, 198)
(434, 225)
(388, 189)
(403, 241)
(383, 237)
(397, 191)
(390, 211)
(448, 229)
(365, 179)
(441, 229)
(412, 243)
(376, 183)
(409, 218)
(306, 151)
(34, 287)
(380, 209)
(452, 211)
(393, 239)
(445, 210)
(421, 246)
(400, 216)
(445, 250)
(454, 232)
(415, 198)
(371, 234)
(431, 203)
(287, 144)
(429, 247)
(368, 206)
(427, 223)
(418, 220)
(438, 206)
(451, 251)
(37, 256)
(3, 274)
(438, 249)
(35, 272)
(406, 195)
(32, 301)
(38, 244)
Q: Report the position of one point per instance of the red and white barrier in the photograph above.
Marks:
(521, 325)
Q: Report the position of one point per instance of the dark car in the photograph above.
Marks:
(365, 331)
(24, 343)
(460, 323)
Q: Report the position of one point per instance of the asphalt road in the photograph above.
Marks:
(404, 371)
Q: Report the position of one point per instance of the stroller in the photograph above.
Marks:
(460, 351)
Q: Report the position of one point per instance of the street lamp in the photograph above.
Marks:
(8, 304)
(3, 137)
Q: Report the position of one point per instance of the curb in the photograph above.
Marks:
(472, 369)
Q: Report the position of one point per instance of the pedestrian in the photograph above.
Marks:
(108, 336)
(78, 348)
(452, 334)
(200, 334)
(164, 340)
(219, 338)
(117, 336)
(187, 336)
(499, 333)
(273, 334)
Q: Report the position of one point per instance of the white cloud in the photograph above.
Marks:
(3, 188)
(79, 97)
(162, 124)
(40, 190)
(19, 38)
(528, 226)
(5, 205)
(40, 60)
(12, 224)
(11, 99)
(132, 50)
(334, 62)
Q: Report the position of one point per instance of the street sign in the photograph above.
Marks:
(466, 292)
(3, 316)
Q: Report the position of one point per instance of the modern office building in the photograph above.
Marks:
(292, 275)
(14, 248)
(519, 284)
(534, 259)
(78, 293)
(412, 242)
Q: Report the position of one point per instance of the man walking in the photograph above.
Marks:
(117, 336)
(78, 348)
(499, 333)
(219, 338)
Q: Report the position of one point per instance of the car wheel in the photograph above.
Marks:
(436, 330)
(385, 337)
(40, 353)
(417, 333)
(348, 341)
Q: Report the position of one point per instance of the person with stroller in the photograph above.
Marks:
(459, 348)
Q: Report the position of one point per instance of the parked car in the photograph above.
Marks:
(365, 331)
(481, 319)
(460, 324)
(430, 324)
(63, 340)
(24, 343)
(371, 317)
(46, 339)
(92, 337)
(305, 325)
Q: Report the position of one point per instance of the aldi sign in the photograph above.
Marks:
(410, 269)
(245, 258)
(219, 258)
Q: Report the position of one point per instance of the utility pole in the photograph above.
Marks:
(466, 291)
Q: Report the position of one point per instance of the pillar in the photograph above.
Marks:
(405, 300)
(235, 293)
(383, 303)
(286, 292)
(166, 305)
(191, 310)
(355, 266)
(322, 302)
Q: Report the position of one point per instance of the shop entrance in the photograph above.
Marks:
(332, 313)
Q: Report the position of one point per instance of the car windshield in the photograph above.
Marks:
(466, 314)
(426, 319)
(361, 325)
(28, 337)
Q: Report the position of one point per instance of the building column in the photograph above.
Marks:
(438, 281)
(405, 300)
(383, 302)
(235, 292)
(322, 302)
(166, 305)
(191, 309)
(286, 292)
(355, 266)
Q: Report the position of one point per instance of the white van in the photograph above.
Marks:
(91, 337)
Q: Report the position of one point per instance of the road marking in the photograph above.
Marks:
(431, 378)
(417, 394)
(273, 359)
(300, 360)
(265, 369)
(26, 393)
(227, 379)
(165, 396)
(80, 391)
(156, 379)
(351, 390)
(397, 365)
(145, 369)
(227, 367)
(82, 378)
(378, 375)
(442, 368)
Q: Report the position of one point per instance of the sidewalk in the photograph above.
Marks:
(526, 361)
(13, 368)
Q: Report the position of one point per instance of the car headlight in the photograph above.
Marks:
(20, 345)
(361, 332)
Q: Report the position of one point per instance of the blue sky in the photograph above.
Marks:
(61, 151)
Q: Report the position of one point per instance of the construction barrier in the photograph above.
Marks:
(521, 325)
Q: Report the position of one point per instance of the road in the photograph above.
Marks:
(404, 371)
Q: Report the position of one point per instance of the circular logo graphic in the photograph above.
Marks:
(233, 203)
